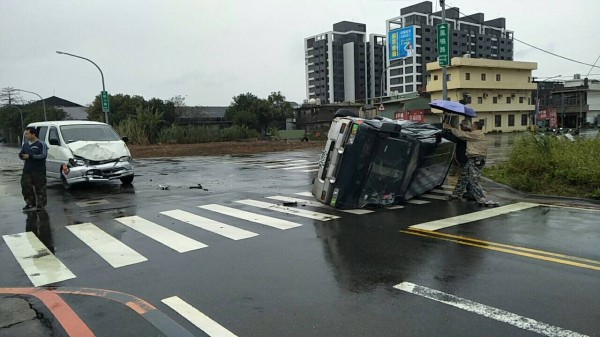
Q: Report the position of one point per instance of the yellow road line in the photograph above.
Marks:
(491, 246)
(530, 250)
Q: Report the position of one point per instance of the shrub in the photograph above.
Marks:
(552, 165)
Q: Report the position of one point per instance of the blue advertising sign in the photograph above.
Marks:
(401, 43)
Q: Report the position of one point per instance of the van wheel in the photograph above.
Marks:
(65, 184)
(126, 180)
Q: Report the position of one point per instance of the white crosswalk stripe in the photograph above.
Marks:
(253, 217)
(417, 202)
(318, 204)
(433, 196)
(300, 167)
(167, 237)
(313, 170)
(116, 253)
(288, 210)
(304, 194)
(37, 261)
(291, 162)
(210, 225)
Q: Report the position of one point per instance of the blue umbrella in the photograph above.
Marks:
(453, 107)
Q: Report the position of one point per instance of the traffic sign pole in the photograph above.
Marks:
(105, 104)
(447, 55)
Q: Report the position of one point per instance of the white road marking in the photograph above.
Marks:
(448, 187)
(417, 202)
(305, 194)
(115, 252)
(318, 204)
(92, 203)
(167, 237)
(487, 311)
(288, 210)
(475, 216)
(395, 207)
(433, 196)
(36, 260)
(197, 318)
(210, 225)
(438, 190)
(287, 163)
(313, 170)
(253, 217)
(300, 167)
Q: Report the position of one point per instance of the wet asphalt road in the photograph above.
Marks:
(325, 277)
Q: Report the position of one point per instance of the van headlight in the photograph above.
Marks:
(125, 159)
(77, 162)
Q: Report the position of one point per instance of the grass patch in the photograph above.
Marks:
(542, 164)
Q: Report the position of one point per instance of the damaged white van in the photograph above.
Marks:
(85, 151)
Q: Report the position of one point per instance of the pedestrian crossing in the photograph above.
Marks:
(297, 165)
(43, 267)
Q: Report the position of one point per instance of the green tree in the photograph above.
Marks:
(121, 107)
(282, 109)
(270, 112)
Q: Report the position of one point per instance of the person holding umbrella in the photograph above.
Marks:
(476, 155)
(476, 151)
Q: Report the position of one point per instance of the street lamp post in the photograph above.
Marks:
(101, 75)
(537, 98)
(43, 102)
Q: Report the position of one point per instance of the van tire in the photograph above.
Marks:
(65, 184)
(127, 180)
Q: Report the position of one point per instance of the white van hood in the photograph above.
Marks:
(99, 151)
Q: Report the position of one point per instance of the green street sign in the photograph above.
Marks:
(443, 44)
(105, 105)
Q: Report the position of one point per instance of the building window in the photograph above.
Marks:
(524, 119)
(521, 100)
(498, 77)
(495, 100)
(448, 77)
(483, 77)
(467, 99)
(467, 76)
(479, 100)
(511, 120)
(498, 121)
(508, 100)
(435, 77)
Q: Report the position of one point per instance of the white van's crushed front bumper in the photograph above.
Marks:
(99, 172)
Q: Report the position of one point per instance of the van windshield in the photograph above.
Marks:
(88, 132)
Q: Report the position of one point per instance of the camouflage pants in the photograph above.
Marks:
(470, 179)
(33, 187)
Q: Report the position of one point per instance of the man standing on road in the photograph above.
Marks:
(471, 172)
(33, 180)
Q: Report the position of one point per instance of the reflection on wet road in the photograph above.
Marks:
(231, 257)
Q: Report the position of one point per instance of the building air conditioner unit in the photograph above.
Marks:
(500, 96)
(512, 95)
(485, 95)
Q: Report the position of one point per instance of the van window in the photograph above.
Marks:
(53, 135)
(88, 132)
(42, 133)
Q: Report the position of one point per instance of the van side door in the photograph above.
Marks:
(58, 153)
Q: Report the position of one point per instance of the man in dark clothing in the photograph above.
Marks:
(33, 180)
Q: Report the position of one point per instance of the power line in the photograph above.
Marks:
(530, 45)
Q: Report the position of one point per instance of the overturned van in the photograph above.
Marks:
(85, 151)
(380, 162)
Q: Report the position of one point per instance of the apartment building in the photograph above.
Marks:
(342, 65)
(500, 91)
(470, 35)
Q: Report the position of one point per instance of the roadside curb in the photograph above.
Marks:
(505, 191)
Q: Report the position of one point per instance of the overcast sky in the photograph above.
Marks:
(211, 50)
